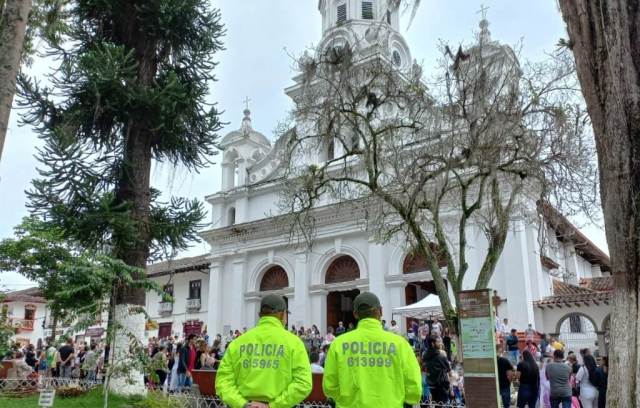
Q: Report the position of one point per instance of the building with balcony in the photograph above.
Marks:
(186, 282)
(26, 311)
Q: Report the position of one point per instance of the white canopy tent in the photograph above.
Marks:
(429, 307)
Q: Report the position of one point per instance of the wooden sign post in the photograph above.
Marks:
(478, 348)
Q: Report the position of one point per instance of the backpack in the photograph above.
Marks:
(596, 379)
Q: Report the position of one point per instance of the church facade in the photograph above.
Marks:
(251, 254)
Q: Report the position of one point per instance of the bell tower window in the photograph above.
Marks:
(367, 10)
(331, 150)
(389, 17)
(342, 13)
(231, 216)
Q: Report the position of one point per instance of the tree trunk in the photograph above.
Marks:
(604, 38)
(13, 28)
(134, 188)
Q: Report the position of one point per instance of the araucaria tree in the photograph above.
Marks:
(484, 143)
(130, 89)
(603, 36)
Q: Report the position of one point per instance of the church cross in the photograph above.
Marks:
(246, 102)
(483, 10)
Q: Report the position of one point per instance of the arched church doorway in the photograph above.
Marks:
(275, 278)
(577, 331)
(340, 302)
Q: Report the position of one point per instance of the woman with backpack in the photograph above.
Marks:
(589, 380)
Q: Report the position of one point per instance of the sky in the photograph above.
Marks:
(261, 38)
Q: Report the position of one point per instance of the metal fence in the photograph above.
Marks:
(16, 388)
(199, 401)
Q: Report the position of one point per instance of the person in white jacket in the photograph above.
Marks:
(588, 379)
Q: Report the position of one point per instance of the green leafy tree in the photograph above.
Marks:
(130, 89)
(6, 331)
(38, 253)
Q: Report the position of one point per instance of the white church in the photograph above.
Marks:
(565, 292)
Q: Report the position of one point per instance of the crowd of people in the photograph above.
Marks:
(540, 374)
(175, 357)
(69, 360)
(544, 375)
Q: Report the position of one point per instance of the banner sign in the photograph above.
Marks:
(478, 348)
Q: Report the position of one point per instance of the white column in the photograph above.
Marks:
(518, 288)
(299, 305)
(251, 311)
(318, 305)
(227, 176)
(214, 308)
(535, 266)
(377, 268)
(242, 209)
(571, 263)
(396, 298)
(242, 172)
(236, 307)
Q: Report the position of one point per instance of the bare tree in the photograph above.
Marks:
(13, 28)
(604, 39)
(480, 145)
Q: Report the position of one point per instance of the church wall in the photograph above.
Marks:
(262, 205)
(513, 270)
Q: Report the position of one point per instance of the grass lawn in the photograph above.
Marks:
(93, 399)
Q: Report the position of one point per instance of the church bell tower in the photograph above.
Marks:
(367, 27)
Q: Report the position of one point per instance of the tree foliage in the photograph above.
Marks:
(77, 284)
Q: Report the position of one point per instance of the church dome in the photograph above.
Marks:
(245, 133)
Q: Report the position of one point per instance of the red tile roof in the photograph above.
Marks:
(31, 295)
(601, 284)
(566, 294)
(562, 288)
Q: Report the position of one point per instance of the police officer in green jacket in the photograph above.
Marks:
(267, 366)
(370, 367)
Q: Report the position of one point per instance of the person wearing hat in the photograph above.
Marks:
(370, 367)
(267, 366)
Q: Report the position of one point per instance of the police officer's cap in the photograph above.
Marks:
(273, 304)
(365, 302)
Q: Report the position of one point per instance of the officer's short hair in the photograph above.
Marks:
(314, 357)
(367, 313)
(266, 310)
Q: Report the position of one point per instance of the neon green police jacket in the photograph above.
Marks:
(370, 367)
(266, 364)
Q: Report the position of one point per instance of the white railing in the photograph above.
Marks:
(165, 307)
(193, 304)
